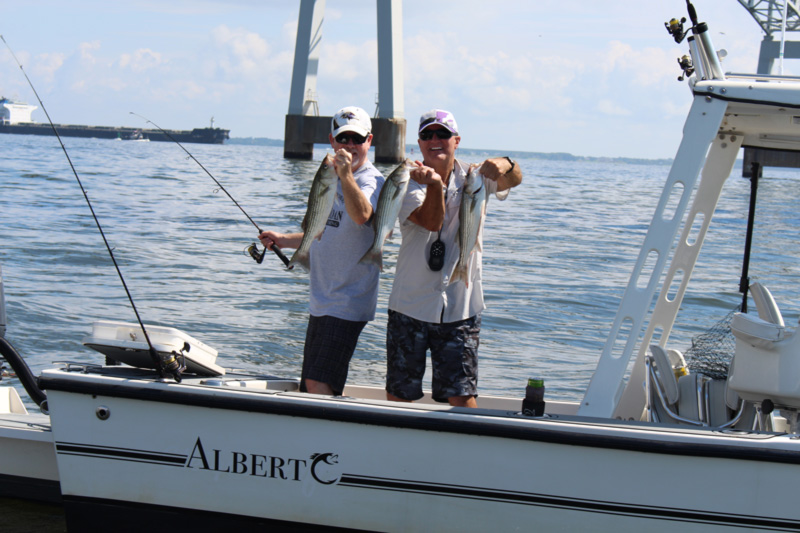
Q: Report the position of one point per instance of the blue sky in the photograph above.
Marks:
(583, 77)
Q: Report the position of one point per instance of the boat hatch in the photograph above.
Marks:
(125, 342)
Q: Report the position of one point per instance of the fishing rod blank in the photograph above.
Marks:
(253, 248)
(167, 364)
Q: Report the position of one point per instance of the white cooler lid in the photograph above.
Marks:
(125, 342)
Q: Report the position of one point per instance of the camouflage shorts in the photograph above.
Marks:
(454, 357)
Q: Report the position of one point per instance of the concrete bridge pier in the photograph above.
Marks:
(304, 127)
(302, 132)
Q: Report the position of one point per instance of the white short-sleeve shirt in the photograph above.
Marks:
(418, 291)
(341, 286)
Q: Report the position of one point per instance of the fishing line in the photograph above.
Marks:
(252, 249)
(166, 364)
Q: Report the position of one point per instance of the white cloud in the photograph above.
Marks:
(647, 67)
(86, 49)
(289, 31)
(247, 53)
(141, 60)
(523, 79)
(45, 66)
(348, 61)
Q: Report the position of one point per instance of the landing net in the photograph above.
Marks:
(712, 351)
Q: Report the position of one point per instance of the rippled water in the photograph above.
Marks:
(558, 254)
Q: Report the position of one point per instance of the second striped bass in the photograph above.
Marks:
(389, 203)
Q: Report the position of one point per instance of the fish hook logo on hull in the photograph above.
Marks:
(322, 467)
(325, 458)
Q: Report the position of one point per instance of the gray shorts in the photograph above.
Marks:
(330, 343)
(454, 357)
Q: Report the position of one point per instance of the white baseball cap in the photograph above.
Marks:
(441, 117)
(352, 119)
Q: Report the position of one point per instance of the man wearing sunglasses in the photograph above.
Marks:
(344, 292)
(426, 310)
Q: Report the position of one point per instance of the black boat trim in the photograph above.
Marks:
(122, 454)
(575, 504)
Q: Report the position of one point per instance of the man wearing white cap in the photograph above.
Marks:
(344, 292)
(427, 310)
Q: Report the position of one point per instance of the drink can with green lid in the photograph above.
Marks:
(533, 404)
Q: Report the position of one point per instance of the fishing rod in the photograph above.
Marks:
(168, 363)
(253, 248)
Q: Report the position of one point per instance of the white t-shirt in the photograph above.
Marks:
(341, 286)
(418, 291)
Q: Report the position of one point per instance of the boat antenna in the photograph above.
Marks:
(253, 248)
(168, 363)
(744, 282)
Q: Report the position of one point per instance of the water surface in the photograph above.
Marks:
(557, 256)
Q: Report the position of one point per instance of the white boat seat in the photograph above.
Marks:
(723, 405)
(673, 400)
(768, 327)
(666, 375)
(693, 399)
(765, 304)
(755, 331)
(767, 359)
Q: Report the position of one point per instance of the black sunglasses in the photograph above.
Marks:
(344, 138)
(427, 135)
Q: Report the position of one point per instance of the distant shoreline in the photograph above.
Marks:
(555, 156)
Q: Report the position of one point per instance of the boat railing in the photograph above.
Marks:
(707, 398)
(762, 77)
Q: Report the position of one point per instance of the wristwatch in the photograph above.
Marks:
(512, 164)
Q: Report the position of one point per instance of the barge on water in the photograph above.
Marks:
(197, 135)
(15, 118)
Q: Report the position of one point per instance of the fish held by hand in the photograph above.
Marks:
(320, 203)
(389, 203)
(470, 219)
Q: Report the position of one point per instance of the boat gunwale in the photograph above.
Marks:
(626, 435)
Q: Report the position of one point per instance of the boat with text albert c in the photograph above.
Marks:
(129, 447)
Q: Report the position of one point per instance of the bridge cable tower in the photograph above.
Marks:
(304, 125)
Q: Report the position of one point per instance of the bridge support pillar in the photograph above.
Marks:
(304, 127)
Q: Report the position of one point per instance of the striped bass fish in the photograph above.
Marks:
(320, 203)
(389, 203)
(470, 218)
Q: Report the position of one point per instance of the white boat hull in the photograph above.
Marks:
(259, 457)
(28, 467)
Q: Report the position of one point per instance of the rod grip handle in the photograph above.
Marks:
(281, 255)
